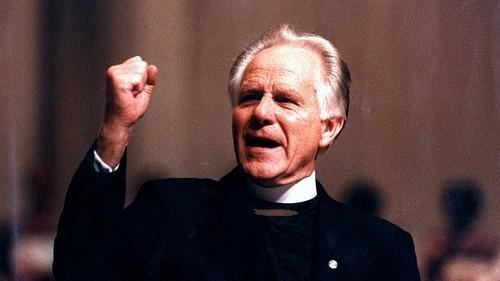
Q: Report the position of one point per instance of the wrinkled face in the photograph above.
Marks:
(276, 124)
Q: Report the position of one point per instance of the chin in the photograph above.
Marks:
(260, 171)
(265, 174)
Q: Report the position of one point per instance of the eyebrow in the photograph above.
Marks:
(289, 92)
(286, 90)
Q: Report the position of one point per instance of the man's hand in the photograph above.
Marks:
(130, 86)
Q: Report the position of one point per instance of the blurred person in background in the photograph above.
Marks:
(364, 195)
(460, 252)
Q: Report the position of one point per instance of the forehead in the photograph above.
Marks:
(285, 63)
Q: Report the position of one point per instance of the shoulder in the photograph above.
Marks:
(381, 248)
(364, 229)
(351, 219)
(381, 227)
(176, 201)
(175, 189)
(173, 184)
(382, 245)
(374, 226)
(179, 194)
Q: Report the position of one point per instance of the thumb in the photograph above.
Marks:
(152, 75)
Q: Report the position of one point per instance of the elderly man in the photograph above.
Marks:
(268, 219)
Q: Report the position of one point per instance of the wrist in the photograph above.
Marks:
(111, 143)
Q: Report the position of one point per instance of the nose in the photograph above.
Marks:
(264, 111)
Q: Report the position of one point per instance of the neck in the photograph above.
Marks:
(301, 191)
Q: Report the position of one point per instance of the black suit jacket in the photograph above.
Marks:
(201, 229)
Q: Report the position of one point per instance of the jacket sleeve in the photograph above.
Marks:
(94, 201)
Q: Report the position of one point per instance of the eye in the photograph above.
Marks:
(249, 96)
(285, 100)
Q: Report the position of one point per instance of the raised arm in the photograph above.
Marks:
(94, 201)
(130, 86)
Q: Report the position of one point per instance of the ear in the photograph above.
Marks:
(330, 129)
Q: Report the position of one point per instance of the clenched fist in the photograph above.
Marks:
(130, 86)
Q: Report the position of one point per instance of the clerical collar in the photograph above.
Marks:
(301, 191)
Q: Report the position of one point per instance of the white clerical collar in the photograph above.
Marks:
(303, 190)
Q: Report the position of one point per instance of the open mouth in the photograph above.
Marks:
(261, 142)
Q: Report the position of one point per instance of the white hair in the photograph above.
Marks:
(332, 93)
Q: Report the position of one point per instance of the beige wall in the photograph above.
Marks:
(425, 97)
(19, 81)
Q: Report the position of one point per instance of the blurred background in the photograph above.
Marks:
(424, 116)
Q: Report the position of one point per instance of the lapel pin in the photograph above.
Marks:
(333, 264)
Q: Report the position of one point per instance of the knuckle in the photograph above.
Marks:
(136, 79)
(126, 75)
(141, 66)
(111, 71)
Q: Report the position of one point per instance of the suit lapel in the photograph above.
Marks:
(234, 226)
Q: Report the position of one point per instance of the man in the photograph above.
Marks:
(268, 219)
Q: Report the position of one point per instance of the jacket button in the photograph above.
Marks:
(333, 264)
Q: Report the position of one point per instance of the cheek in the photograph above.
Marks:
(301, 122)
(303, 131)
(236, 120)
(239, 122)
(237, 137)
